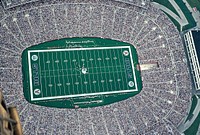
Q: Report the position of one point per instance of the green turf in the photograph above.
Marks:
(192, 130)
(187, 14)
(87, 72)
(167, 4)
(194, 103)
(194, 3)
(185, 11)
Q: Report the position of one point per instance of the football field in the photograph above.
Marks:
(79, 69)
(59, 73)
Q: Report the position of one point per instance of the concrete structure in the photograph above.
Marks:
(192, 45)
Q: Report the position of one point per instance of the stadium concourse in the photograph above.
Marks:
(165, 99)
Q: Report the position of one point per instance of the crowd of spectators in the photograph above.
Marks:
(158, 109)
(140, 3)
(13, 3)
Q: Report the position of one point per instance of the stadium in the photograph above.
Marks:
(162, 100)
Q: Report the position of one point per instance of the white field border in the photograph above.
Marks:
(78, 95)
